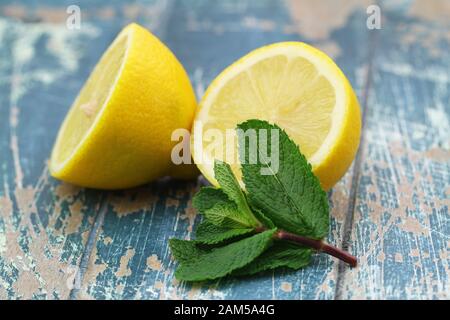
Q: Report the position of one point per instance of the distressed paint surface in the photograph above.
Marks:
(401, 225)
(393, 203)
(43, 224)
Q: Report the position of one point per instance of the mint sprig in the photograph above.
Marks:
(278, 221)
(291, 197)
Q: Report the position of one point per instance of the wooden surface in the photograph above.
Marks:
(391, 209)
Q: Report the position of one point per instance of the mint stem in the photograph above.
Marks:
(318, 245)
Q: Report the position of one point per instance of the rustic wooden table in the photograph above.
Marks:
(391, 210)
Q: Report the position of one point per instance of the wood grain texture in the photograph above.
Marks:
(401, 227)
(43, 224)
(393, 202)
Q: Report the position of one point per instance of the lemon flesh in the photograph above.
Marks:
(293, 85)
(89, 102)
(117, 133)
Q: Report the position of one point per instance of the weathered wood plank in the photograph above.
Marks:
(131, 258)
(401, 228)
(44, 224)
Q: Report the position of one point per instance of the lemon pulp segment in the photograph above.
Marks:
(90, 100)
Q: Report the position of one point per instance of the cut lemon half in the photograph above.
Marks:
(293, 85)
(118, 131)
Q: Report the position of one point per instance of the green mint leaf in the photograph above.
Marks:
(281, 254)
(209, 233)
(184, 250)
(219, 209)
(209, 264)
(207, 197)
(291, 196)
(226, 214)
(230, 186)
(263, 219)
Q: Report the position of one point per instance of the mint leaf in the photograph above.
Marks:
(281, 254)
(209, 233)
(209, 264)
(184, 250)
(207, 197)
(220, 210)
(226, 207)
(263, 219)
(226, 214)
(291, 197)
(230, 186)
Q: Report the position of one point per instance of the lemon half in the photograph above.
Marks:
(294, 86)
(117, 133)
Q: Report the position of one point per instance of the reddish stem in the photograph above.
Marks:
(318, 245)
